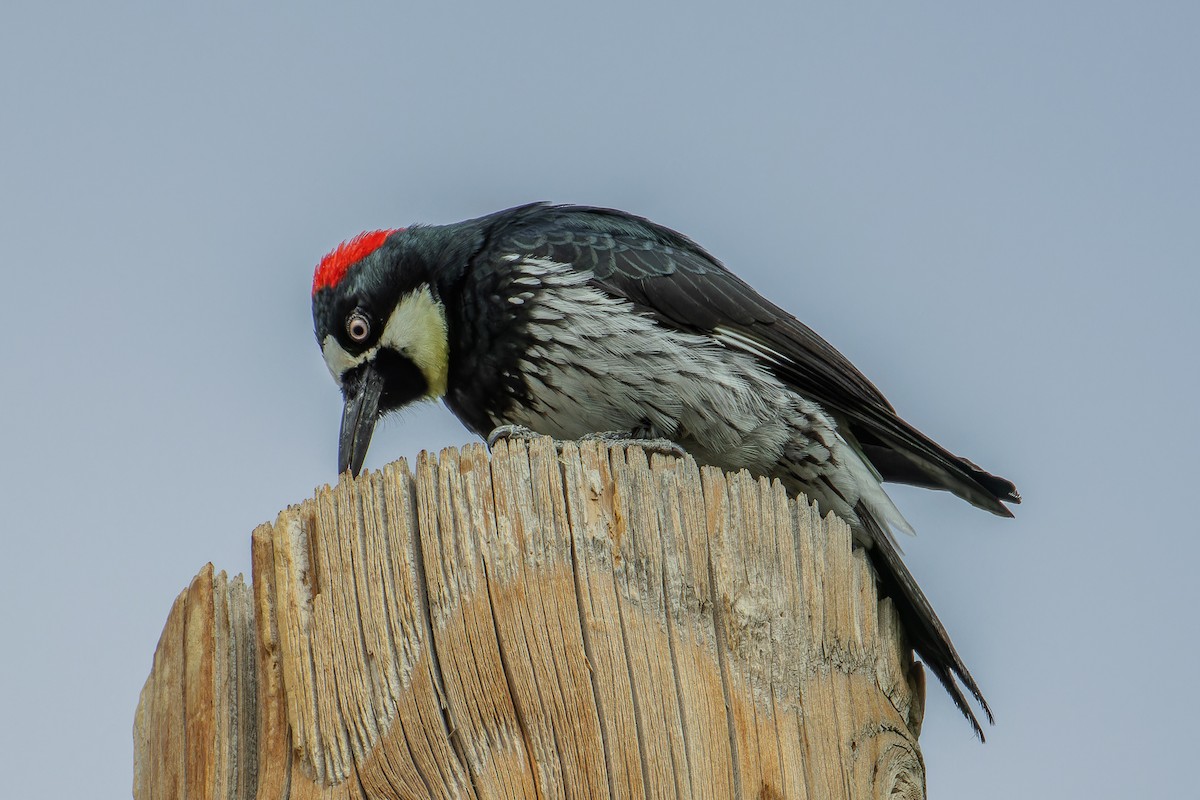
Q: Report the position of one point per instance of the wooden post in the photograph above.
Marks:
(574, 625)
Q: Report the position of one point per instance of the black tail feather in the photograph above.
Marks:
(903, 454)
(922, 625)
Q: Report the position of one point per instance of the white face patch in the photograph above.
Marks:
(415, 329)
(337, 359)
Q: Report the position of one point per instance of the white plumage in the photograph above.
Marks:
(601, 365)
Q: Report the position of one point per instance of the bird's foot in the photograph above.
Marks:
(508, 432)
(643, 439)
(651, 444)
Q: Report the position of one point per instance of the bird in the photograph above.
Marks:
(575, 321)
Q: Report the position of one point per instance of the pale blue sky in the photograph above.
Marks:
(994, 211)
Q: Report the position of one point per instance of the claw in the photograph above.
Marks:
(658, 445)
(651, 445)
(511, 432)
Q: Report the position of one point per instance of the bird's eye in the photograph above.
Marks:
(358, 326)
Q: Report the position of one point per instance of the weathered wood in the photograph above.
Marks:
(196, 727)
(578, 624)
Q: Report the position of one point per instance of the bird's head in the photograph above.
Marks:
(382, 331)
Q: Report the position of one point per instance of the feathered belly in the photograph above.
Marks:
(720, 406)
(596, 364)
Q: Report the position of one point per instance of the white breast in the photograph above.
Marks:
(600, 365)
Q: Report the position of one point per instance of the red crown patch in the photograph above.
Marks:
(334, 266)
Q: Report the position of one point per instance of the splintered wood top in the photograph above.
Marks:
(575, 624)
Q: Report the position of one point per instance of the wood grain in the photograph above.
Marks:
(550, 622)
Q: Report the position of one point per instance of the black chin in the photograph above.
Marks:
(388, 382)
(403, 382)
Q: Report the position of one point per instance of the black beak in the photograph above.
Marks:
(362, 389)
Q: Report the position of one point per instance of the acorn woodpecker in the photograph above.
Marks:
(571, 321)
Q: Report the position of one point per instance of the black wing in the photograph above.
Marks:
(671, 277)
